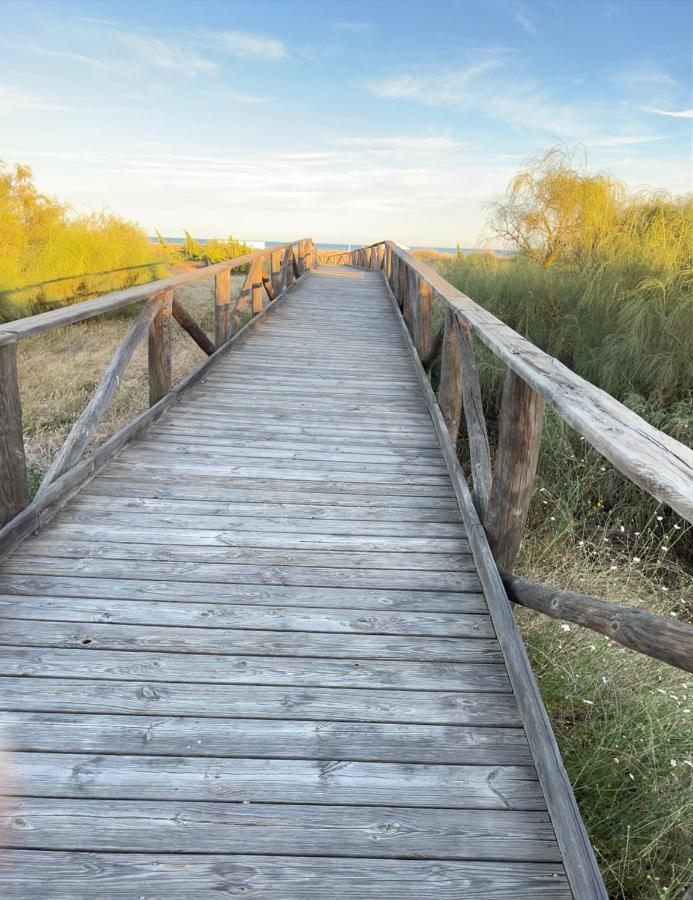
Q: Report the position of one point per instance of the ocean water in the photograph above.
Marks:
(321, 246)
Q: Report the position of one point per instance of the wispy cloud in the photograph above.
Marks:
(12, 100)
(243, 44)
(165, 54)
(442, 87)
(413, 144)
(622, 140)
(487, 86)
(354, 27)
(642, 74)
(523, 19)
(676, 114)
(68, 55)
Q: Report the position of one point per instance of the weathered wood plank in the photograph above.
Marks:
(93, 695)
(343, 597)
(285, 781)
(519, 439)
(207, 614)
(175, 827)
(267, 738)
(14, 493)
(72, 876)
(476, 647)
(224, 668)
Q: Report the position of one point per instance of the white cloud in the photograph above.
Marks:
(443, 87)
(164, 54)
(242, 43)
(676, 114)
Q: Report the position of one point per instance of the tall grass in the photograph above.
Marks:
(41, 240)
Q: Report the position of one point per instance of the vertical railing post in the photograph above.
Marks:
(14, 494)
(257, 288)
(222, 307)
(276, 271)
(450, 389)
(160, 350)
(519, 440)
(301, 257)
(423, 310)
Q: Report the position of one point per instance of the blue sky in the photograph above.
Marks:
(346, 121)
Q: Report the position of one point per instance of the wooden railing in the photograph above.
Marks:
(271, 273)
(501, 493)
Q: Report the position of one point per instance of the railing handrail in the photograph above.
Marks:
(653, 460)
(30, 326)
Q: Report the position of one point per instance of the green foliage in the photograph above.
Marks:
(603, 281)
(213, 251)
(42, 241)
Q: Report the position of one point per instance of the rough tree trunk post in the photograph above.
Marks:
(276, 271)
(222, 307)
(519, 439)
(14, 494)
(160, 350)
(423, 306)
(450, 389)
(257, 288)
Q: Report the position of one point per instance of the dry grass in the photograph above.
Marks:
(58, 372)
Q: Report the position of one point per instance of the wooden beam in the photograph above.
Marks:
(435, 350)
(519, 439)
(187, 323)
(422, 308)
(222, 307)
(450, 388)
(477, 436)
(257, 286)
(160, 350)
(14, 494)
(276, 271)
(651, 459)
(82, 431)
(664, 639)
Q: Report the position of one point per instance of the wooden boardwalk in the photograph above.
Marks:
(253, 655)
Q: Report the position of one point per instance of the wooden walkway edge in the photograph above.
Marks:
(266, 650)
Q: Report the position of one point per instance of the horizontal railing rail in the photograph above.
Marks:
(654, 461)
(271, 272)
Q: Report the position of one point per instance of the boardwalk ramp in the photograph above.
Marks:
(261, 652)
